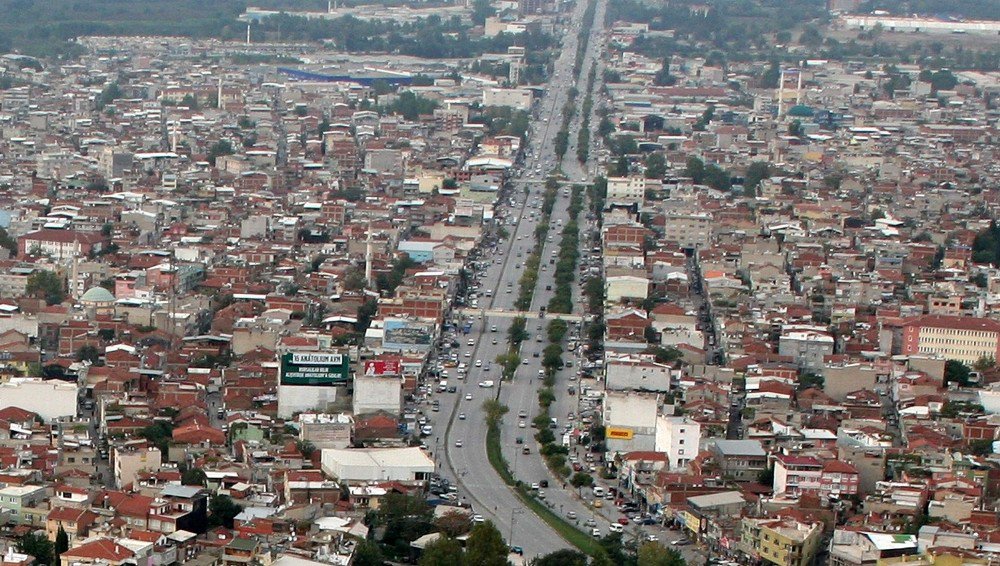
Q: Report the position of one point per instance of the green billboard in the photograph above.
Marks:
(314, 368)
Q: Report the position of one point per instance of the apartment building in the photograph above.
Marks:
(963, 338)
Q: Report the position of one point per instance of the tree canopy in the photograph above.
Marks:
(46, 285)
(486, 547)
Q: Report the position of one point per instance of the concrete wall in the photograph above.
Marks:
(50, 399)
(838, 381)
(373, 393)
(304, 398)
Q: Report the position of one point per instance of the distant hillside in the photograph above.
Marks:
(968, 9)
(42, 28)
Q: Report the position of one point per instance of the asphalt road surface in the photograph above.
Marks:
(467, 464)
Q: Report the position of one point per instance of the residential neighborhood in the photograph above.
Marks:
(503, 282)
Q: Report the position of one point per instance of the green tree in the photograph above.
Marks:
(453, 523)
(190, 101)
(7, 242)
(811, 37)
(46, 285)
(194, 476)
(368, 554)
(622, 167)
(656, 166)
(38, 546)
(717, 178)
(601, 558)
(449, 184)
(405, 519)
(984, 363)
(557, 330)
(581, 479)
(444, 551)
(766, 476)
(564, 557)
(222, 510)
(795, 128)
(159, 434)
(61, 545)
(494, 411)
(695, 168)
(756, 172)
(655, 554)
(956, 372)
(809, 379)
(486, 546)
(663, 76)
(666, 355)
(772, 76)
(942, 79)
(305, 448)
(89, 353)
(612, 544)
(110, 93)
(481, 9)
(218, 149)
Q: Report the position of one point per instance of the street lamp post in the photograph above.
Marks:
(514, 511)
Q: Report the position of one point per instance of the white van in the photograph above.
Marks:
(598, 491)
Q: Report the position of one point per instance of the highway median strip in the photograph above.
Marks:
(569, 532)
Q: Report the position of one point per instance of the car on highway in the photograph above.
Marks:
(622, 520)
(595, 532)
(468, 396)
(458, 443)
(616, 528)
(521, 424)
(461, 416)
(486, 384)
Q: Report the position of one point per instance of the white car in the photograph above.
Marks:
(479, 363)
(468, 396)
(521, 424)
(486, 384)
(458, 444)
(461, 416)
(478, 519)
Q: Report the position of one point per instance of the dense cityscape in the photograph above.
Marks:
(491, 282)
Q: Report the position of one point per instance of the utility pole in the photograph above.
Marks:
(514, 511)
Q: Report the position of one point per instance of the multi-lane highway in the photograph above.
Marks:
(461, 442)
(462, 448)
